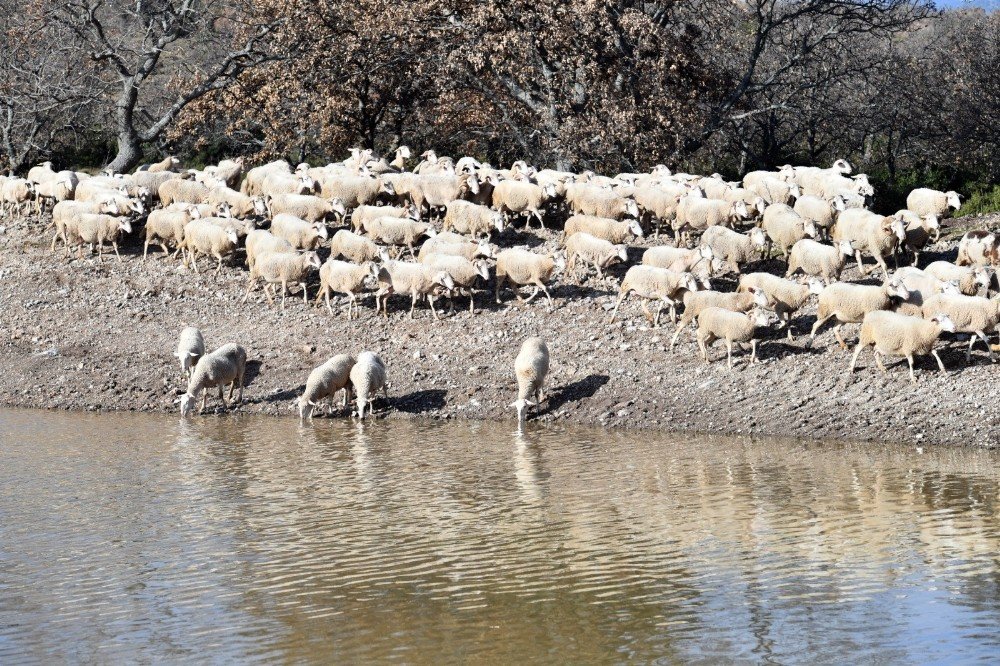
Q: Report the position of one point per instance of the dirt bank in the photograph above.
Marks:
(82, 335)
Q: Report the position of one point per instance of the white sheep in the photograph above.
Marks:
(345, 278)
(876, 234)
(894, 334)
(17, 194)
(307, 207)
(166, 226)
(679, 259)
(183, 191)
(818, 260)
(464, 273)
(925, 201)
(368, 376)
(596, 252)
(299, 233)
(65, 211)
(979, 248)
(823, 213)
(656, 284)
(520, 267)
(516, 197)
(919, 231)
(530, 368)
(436, 191)
(355, 248)
(416, 280)
(970, 314)
(190, 348)
(774, 191)
(604, 203)
(659, 203)
(696, 301)
(606, 228)
(399, 231)
(201, 236)
(97, 229)
(282, 268)
(784, 227)
(362, 214)
(967, 278)
(715, 323)
(786, 296)
(921, 285)
(239, 204)
(324, 382)
(473, 219)
(849, 303)
(732, 247)
(260, 242)
(224, 366)
(695, 213)
(443, 244)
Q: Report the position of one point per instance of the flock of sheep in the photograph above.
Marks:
(443, 214)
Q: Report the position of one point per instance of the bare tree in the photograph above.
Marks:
(165, 54)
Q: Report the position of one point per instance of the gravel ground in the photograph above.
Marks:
(77, 334)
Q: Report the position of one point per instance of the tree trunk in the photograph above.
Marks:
(129, 154)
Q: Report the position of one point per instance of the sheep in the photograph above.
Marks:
(894, 334)
(715, 323)
(602, 203)
(97, 228)
(260, 242)
(437, 191)
(153, 181)
(277, 183)
(520, 267)
(966, 278)
(224, 366)
(696, 213)
(282, 267)
(818, 260)
(355, 248)
(41, 173)
(979, 248)
(464, 273)
(603, 227)
(61, 188)
(472, 219)
(227, 171)
(530, 368)
(190, 348)
(597, 252)
(921, 285)
(185, 191)
(784, 228)
(511, 196)
(254, 181)
(417, 280)
(696, 301)
(307, 207)
(345, 278)
(925, 201)
(733, 247)
(298, 232)
(679, 259)
(659, 203)
(917, 232)
(368, 375)
(830, 186)
(823, 213)
(970, 314)
(787, 296)
(467, 249)
(399, 232)
(239, 204)
(163, 226)
(201, 236)
(869, 231)
(169, 163)
(17, 194)
(362, 214)
(774, 191)
(65, 211)
(849, 303)
(659, 284)
(324, 382)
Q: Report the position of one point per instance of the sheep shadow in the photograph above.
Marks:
(419, 401)
(512, 237)
(578, 390)
(251, 372)
(285, 395)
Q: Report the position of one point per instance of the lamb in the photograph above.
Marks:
(239, 204)
(298, 232)
(603, 227)
(784, 227)
(874, 233)
(849, 303)
(17, 194)
(224, 366)
(970, 314)
(787, 296)
(362, 214)
(894, 334)
(715, 323)
(733, 247)
(677, 259)
(966, 278)
(924, 201)
(190, 348)
(355, 248)
(201, 236)
(604, 203)
(185, 191)
(65, 211)
(512, 196)
(978, 248)
(921, 285)
(163, 226)
(400, 232)
(818, 260)
(696, 301)
(530, 367)
(260, 242)
(438, 190)
(97, 228)
(324, 382)
(918, 232)
(695, 213)
(463, 272)
(307, 207)
(597, 252)
(521, 267)
(345, 278)
(472, 219)
(659, 203)
(169, 163)
(61, 188)
(282, 267)
(659, 284)
(417, 280)
(367, 377)
(823, 213)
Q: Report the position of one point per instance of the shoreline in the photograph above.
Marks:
(80, 335)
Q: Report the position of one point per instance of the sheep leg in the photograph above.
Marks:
(614, 312)
(729, 353)
(166, 250)
(115, 246)
(472, 301)
(145, 250)
(836, 332)
(100, 251)
(909, 359)
(939, 361)
(548, 296)
(218, 269)
(267, 292)
(413, 304)
(253, 283)
(305, 293)
(861, 264)
(222, 396)
(496, 288)
(54, 238)
(204, 400)
(881, 365)
(677, 333)
(539, 216)
(788, 323)
(703, 348)
(430, 301)
(284, 288)
(854, 359)
(819, 323)
(517, 292)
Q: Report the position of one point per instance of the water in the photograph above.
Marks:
(130, 538)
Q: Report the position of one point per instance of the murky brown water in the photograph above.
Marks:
(136, 538)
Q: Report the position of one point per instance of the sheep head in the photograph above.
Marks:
(444, 279)
(738, 210)
(896, 227)
(521, 405)
(815, 286)
(482, 269)
(635, 228)
(895, 288)
(846, 248)
(484, 249)
(499, 222)
(954, 199)
(336, 206)
(809, 228)
(932, 223)
(311, 259)
(559, 259)
(983, 277)
(944, 322)
(259, 207)
(763, 318)
(839, 203)
(842, 167)
(233, 237)
(621, 252)
(759, 297)
(758, 237)
(187, 404)
(305, 407)
(404, 152)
